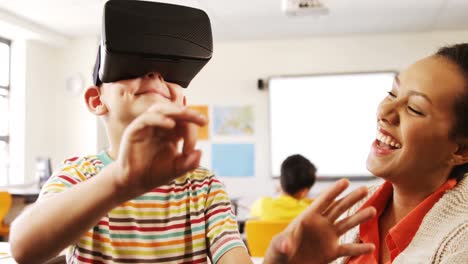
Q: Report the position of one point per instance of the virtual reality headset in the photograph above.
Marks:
(139, 37)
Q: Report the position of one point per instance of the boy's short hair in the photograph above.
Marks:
(297, 173)
(97, 64)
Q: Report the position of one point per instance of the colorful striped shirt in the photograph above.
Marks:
(189, 220)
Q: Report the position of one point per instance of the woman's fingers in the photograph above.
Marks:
(340, 206)
(323, 201)
(360, 217)
(355, 249)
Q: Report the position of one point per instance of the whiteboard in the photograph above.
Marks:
(329, 119)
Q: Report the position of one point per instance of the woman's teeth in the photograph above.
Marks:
(388, 140)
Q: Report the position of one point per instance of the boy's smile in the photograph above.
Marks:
(153, 90)
(153, 83)
(127, 99)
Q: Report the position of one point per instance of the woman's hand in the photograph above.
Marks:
(313, 236)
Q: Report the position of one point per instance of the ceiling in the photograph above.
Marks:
(263, 19)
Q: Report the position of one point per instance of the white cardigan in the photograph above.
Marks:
(442, 236)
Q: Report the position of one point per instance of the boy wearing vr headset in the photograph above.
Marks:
(144, 200)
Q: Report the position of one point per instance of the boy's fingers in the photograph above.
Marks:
(355, 249)
(176, 113)
(360, 217)
(187, 115)
(151, 120)
(324, 200)
(187, 162)
(172, 93)
(345, 203)
(180, 113)
(190, 137)
(192, 116)
(164, 108)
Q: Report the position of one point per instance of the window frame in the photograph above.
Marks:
(6, 138)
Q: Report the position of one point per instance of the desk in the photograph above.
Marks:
(28, 192)
(23, 195)
(29, 195)
(257, 260)
(5, 255)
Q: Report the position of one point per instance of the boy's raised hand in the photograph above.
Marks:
(313, 236)
(149, 156)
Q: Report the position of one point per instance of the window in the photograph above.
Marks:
(332, 118)
(5, 62)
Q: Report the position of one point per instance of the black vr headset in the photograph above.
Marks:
(139, 37)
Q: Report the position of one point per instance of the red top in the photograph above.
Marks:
(399, 236)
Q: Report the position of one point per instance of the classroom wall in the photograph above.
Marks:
(76, 126)
(40, 107)
(57, 124)
(229, 78)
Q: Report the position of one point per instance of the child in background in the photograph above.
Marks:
(297, 178)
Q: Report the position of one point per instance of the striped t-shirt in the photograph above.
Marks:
(187, 221)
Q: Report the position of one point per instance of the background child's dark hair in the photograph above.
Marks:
(297, 173)
(458, 54)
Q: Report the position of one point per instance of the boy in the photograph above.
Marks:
(296, 179)
(144, 119)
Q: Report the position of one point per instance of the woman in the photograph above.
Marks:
(421, 151)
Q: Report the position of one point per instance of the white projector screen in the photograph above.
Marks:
(329, 119)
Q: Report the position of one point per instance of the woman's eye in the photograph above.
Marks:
(391, 94)
(414, 111)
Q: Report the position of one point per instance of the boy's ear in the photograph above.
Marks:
(461, 154)
(93, 101)
(304, 192)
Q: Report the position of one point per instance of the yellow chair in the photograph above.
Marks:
(259, 234)
(5, 205)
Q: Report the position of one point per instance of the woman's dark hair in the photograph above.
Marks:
(297, 173)
(458, 54)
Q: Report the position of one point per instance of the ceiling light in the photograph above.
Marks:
(304, 8)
